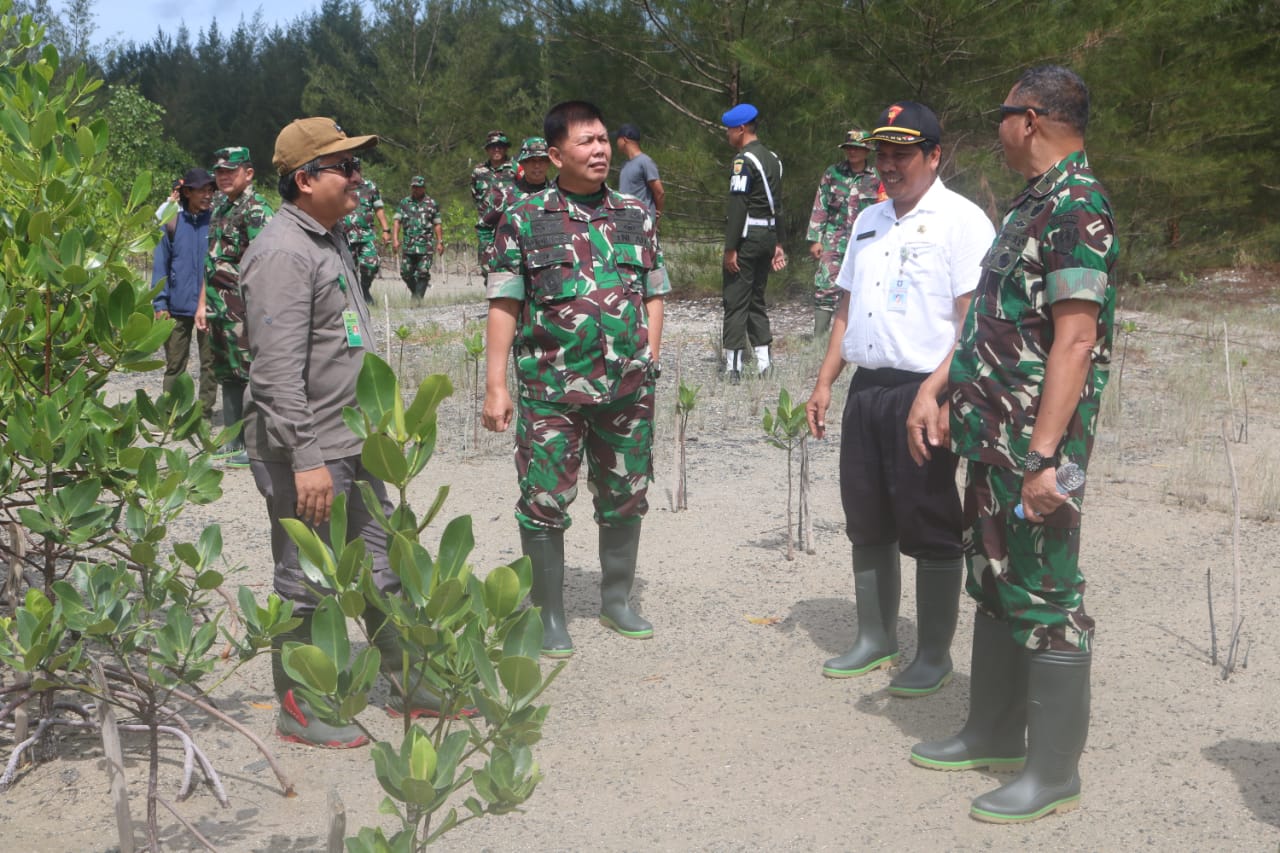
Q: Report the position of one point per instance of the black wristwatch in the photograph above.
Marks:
(1037, 462)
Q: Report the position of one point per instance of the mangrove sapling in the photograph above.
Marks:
(787, 429)
(686, 400)
(474, 344)
(463, 639)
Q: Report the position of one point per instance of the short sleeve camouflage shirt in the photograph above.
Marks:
(234, 224)
(582, 267)
(842, 194)
(1057, 242)
(360, 225)
(417, 218)
(484, 178)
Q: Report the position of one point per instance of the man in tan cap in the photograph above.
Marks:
(309, 330)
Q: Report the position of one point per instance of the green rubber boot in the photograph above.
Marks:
(297, 723)
(822, 323)
(423, 701)
(233, 455)
(1057, 728)
(545, 550)
(937, 606)
(877, 585)
(994, 736)
(619, 547)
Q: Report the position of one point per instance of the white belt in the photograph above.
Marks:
(766, 222)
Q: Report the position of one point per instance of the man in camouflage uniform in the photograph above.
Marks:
(577, 287)
(419, 217)
(237, 220)
(358, 226)
(495, 172)
(752, 245)
(1025, 385)
(531, 178)
(844, 191)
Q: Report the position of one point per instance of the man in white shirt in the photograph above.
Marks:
(907, 278)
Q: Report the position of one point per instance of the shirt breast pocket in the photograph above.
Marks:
(633, 262)
(550, 278)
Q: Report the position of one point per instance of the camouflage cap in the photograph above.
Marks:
(534, 146)
(305, 139)
(856, 138)
(496, 137)
(418, 181)
(231, 157)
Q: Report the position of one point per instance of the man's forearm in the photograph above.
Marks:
(500, 334)
(653, 306)
(1065, 372)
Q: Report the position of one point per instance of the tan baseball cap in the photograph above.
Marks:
(305, 139)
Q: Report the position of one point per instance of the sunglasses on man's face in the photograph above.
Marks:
(1019, 109)
(348, 167)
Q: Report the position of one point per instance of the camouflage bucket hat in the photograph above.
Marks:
(231, 157)
(534, 146)
(856, 138)
(418, 181)
(496, 137)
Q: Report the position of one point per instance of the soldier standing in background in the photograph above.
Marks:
(531, 177)
(844, 191)
(496, 171)
(752, 245)
(358, 225)
(577, 287)
(236, 220)
(419, 216)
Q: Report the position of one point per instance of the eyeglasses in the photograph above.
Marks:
(1019, 109)
(348, 167)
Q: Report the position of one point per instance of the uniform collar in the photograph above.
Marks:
(557, 199)
(305, 220)
(930, 202)
(1041, 186)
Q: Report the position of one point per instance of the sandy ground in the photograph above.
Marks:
(721, 733)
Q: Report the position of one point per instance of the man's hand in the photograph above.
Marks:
(395, 245)
(815, 251)
(162, 315)
(498, 410)
(1040, 495)
(731, 261)
(779, 259)
(928, 426)
(202, 319)
(815, 411)
(315, 494)
(439, 248)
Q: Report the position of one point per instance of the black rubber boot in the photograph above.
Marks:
(296, 721)
(423, 701)
(619, 547)
(545, 550)
(1057, 728)
(937, 606)
(366, 283)
(877, 585)
(995, 734)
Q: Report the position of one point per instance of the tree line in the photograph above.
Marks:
(1183, 94)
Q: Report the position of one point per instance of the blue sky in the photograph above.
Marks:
(138, 20)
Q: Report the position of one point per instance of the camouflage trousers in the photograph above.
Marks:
(618, 440)
(826, 293)
(415, 271)
(746, 321)
(1024, 573)
(229, 338)
(365, 254)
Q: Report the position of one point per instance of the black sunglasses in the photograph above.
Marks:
(1014, 109)
(347, 167)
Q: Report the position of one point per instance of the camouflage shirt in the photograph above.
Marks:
(417, 218)
(234, 224)
(503, 196)
(1057, 242)
(361, 224)
(582, 267)
(483, 179)
(842, 195)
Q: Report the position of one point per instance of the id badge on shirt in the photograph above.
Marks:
(351, 321)
(898, 296)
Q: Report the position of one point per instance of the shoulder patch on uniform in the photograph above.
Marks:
(737, 166)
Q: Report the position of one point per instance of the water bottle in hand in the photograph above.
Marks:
(1069, 477)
